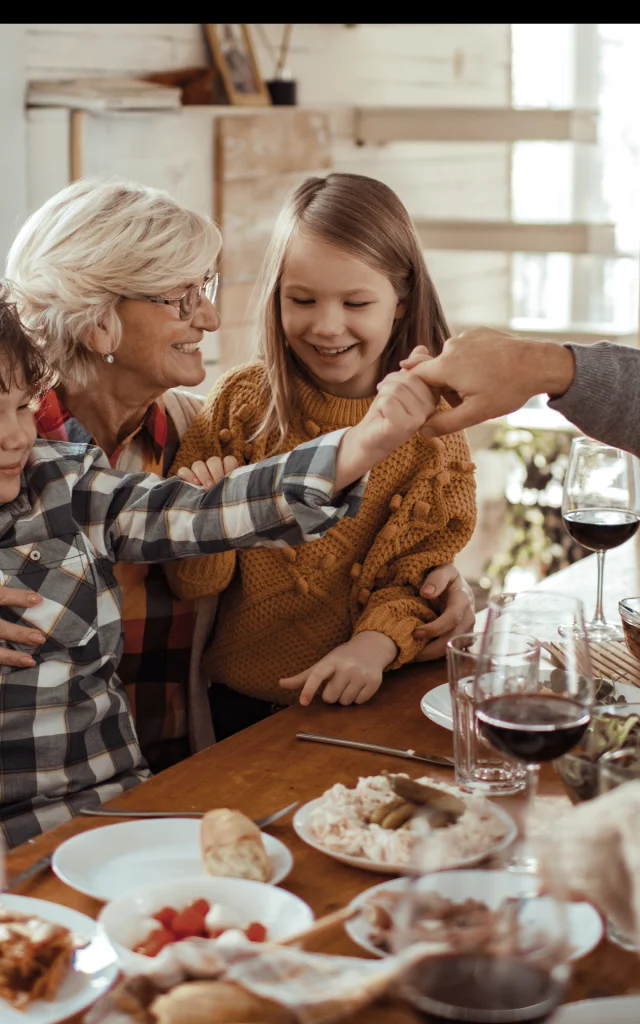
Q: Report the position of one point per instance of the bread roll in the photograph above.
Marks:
(216, 1002)
(232, 845)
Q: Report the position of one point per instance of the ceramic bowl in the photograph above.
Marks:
(124, 921)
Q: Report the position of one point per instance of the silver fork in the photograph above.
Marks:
(101, 812)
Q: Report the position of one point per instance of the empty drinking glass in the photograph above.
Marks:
(478, 767)
(616, 768)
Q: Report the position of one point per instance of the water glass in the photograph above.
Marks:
(478, 768)
(616, 768)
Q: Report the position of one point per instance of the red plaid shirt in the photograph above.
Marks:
(158, 628)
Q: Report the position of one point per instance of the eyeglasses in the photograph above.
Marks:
(188, 302)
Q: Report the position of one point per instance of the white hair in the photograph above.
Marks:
(92, 243)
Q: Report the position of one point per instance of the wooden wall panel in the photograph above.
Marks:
(276, 141)
(259, 161)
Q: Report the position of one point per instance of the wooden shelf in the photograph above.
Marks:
(508, 236)
(580, 334)
(377, 125)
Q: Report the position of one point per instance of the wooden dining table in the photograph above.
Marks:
(265, 768)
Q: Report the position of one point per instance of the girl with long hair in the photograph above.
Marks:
(344, 296)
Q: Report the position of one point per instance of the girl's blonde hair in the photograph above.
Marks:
(365, 218)
(91, 244)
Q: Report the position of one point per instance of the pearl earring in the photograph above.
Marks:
(108, 358)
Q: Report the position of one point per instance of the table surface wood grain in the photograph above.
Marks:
(265, 768)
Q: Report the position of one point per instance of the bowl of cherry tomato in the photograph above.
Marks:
(150, 919)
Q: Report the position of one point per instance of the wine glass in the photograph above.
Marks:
(600, 510)
(484, 945)
(535, 719)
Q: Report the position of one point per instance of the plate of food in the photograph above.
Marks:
(436, 704)
(386, 821)
(107, 862)
(459, 901)
(54, 962)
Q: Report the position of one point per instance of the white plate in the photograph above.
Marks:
(436, 704)
(109, 861)
(300, 824)
(616, 1010)
(95, 966)
(584, 921)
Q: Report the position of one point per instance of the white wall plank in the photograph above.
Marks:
(169, 149)
(13, 151)
(48, 153)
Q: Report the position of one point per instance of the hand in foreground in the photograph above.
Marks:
(458, 615)
(11, 597)
(486, 373)
(352, 672)
(398, 411)
(208, 474)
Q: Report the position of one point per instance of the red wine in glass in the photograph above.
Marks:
(483, 987)
(600, 509)
(532, 727)
(600, 529)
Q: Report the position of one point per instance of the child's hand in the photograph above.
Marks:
(399, 411)
(419, 354)
(401, 408)
(208, 474)
(352, 672)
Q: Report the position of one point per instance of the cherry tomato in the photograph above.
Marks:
(158, 939)
(165, 916)
(255, 932)
(190, 920)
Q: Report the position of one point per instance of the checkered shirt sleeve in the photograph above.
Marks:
(283, 501)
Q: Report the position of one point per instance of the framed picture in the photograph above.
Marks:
(233, 55)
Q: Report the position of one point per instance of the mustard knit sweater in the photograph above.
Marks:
(285, 608)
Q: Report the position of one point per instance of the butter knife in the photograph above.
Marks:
(411, 755)
(35, 869)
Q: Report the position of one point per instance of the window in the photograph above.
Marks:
(593, 66)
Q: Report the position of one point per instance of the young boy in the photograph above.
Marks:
(67, 738)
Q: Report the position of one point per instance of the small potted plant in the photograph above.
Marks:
(282, 87)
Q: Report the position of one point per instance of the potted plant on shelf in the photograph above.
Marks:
(282, 87)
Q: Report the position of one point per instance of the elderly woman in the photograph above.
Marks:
(117, 281)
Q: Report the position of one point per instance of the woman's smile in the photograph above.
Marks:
(187, 348)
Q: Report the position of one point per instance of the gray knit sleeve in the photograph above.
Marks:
(604, 399)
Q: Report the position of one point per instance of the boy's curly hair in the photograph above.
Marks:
(22, 364)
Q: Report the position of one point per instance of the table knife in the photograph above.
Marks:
(35, 869)
(411, 755)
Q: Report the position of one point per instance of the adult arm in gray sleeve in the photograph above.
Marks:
(604, 398)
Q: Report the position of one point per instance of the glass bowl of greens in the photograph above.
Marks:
(612, 727)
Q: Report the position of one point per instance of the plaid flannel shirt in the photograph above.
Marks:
(67, 738)
(158, 626)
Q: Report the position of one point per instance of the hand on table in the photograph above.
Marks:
(458, 615)
(208, 474)
(352, 672)
(10, 633)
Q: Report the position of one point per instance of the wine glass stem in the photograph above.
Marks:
(598, 617)
(528, 859)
